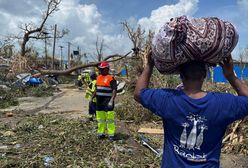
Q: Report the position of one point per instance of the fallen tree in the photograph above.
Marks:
(68, 71)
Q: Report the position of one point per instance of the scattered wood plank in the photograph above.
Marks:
(230, 136)
(151, 131)
(9, 114)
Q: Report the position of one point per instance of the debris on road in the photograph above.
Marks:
(150, 131)
(9, 114)
(145, 142)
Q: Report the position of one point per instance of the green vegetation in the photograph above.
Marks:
(71, 143)
(130, 110)
(9, 97)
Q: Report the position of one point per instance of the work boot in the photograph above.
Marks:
(91, 119)
(112, 138)
(101, 136)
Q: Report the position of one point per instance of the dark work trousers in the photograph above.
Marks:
(92, 108)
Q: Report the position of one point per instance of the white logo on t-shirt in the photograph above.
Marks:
(194, 140)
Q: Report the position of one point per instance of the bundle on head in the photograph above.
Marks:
(182, 40)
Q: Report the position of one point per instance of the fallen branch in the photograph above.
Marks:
(230, 136)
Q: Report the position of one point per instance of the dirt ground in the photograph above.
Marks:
(70, 103)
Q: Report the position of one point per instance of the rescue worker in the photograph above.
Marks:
(106, 88)
(79, 81)
(90, 90)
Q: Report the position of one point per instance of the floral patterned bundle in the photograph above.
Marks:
(182, 40)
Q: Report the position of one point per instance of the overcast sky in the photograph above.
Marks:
(89, 19)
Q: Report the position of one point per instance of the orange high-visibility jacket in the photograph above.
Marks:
(103, 87)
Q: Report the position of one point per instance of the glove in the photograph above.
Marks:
(110, 104)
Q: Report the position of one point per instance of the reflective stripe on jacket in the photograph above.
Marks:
(79, 77)
(90, 90)
(103, 87)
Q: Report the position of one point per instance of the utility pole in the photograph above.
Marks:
(46, 50)
(69, 54)
(78, 50)
(61, 57)
(79, 56)
(45, 33)
(54, 41)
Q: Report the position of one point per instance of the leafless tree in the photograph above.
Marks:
(6, 46)
(34, 31)
(141, 41)
(99, 49)
(136, 36)
(243, 57)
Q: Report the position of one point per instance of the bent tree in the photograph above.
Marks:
(33, 31)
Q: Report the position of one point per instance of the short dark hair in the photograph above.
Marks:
(193, 70)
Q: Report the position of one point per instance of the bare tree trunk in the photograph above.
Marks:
(23, 45)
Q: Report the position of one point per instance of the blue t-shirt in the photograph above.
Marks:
(194, 128)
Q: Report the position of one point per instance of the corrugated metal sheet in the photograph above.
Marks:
(219, 77)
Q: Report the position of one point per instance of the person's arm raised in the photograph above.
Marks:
(227, 68)
(144, 78)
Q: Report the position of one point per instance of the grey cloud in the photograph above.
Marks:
(21, 7)
(84, 22)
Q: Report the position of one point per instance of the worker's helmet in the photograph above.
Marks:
(103, 64)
